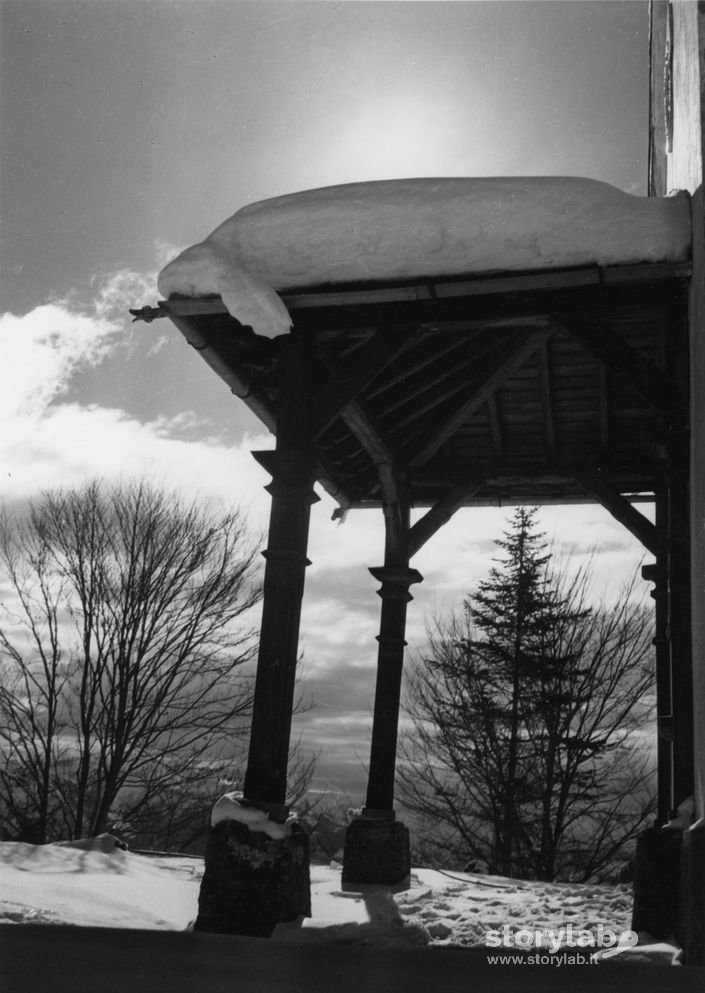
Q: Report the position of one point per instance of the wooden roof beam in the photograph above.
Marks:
(647, 379)
(495, 426)
(447, 380)
(503, 283)
(512, 359)
(605, 415)
(439, 514)
(417, 366)
(549, 418)
(372, 439)
(622, 510)
(348, 382)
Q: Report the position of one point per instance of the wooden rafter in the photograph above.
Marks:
(604, 387)
(549, 419)
(511, 360)
(370, 435)
(417, 366)
(348, 382)
(647, 379)
(439, 514)
(622, 510)
(495, 426)
(442, 386)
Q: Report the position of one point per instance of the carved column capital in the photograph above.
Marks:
(396, 580)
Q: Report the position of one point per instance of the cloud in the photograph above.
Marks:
(42, 350)
(50, 440)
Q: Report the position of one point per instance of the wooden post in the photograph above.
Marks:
(291, 489)
(254, 880)
(677, 365)
(376, 845)
(396, 580)
(657, 573)
(679, 623)
(396, 577)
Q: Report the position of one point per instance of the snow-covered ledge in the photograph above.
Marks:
(415, 228)
(232, 807)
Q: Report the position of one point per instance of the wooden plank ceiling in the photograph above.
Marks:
(555, 387)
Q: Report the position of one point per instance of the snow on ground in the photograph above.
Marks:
(98, 884)
(415, 228)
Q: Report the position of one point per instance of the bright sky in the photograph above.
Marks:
(131, 128)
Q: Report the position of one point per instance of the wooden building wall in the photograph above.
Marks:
(676, 162)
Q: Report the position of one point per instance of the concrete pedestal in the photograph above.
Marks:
(376, 851)
(253, 882)
(657, 873)
(692, 936)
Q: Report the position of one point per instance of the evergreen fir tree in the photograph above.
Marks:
(510, 711)
(513, 612)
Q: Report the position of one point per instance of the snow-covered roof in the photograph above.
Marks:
(415, 228)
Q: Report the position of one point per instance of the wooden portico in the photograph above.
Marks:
(560, 386)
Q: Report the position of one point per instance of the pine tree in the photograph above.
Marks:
(508, 611)
(523, 717)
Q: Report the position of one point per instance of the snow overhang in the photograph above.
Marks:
(406, 230)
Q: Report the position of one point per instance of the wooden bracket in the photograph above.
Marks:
(648, 380)
(440, 514)
(651, 537)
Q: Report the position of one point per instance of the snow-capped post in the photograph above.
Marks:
(257, 861)
(376, 844)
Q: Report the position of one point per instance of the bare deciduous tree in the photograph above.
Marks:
(124, 631)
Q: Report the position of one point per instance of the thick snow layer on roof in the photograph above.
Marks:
(411, 228)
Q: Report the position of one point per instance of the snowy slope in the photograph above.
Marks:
(97, 884)
(398, 229)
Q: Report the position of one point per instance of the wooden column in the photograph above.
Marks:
(376, 844)
(657, 573)
(291, 489)
(253, 881)
(680, 631)
(679, 622)
(396, 579)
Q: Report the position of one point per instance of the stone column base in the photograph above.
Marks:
(376, 851)
(253, 882)
(657, 872)
(692, 936)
